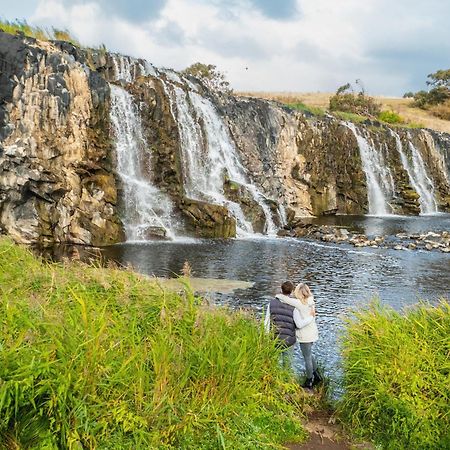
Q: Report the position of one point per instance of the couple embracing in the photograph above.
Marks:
(293, 319)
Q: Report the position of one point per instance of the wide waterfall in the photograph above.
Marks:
(417, 175)
(209, 155)
(147, 210)
(380, 184)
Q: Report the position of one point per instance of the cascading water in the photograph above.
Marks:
(148, 211)
(417, 175)
(380, 188)
(208, 154)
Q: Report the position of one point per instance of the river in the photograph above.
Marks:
(341, 277)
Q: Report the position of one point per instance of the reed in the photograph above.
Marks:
(100, 358)
(396, 376)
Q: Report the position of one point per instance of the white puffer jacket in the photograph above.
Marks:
(309, 333)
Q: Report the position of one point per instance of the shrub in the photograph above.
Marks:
(408, 94)
(209, 75)
(390, 117)
(346, 100)
(106, 359)
(396, 377)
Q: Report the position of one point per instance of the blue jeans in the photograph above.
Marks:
(310, 362)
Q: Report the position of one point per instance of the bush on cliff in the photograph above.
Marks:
(105, 359)
(396, 377)
(349, 101)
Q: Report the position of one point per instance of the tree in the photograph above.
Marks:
(441, 78)
(209, 75)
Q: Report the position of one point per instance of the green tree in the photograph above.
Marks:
(209, 75)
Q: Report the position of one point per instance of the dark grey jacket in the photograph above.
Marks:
(282, 319)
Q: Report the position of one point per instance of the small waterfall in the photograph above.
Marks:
(148, 211)
(380, 187)
(209, 154)
(417, 175)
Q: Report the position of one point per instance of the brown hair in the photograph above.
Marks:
(302, 292)
(287, 287)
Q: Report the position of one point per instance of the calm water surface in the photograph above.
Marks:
(341, 277)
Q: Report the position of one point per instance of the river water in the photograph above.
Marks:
(341, 277)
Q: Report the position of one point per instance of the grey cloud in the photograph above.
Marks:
(281, 9)
(136, 11)
(171, 35)
(273, 9)
(232, 46)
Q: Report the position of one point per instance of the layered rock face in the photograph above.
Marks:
(210, 165)
(56, 183)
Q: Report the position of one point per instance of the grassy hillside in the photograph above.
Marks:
(99, 358)
(318, 102)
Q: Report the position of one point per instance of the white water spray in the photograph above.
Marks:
(380, 188)
(417, 175)
(148, 211)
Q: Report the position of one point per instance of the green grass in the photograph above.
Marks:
(43, 34)
(397, 377)
(390, 117)
(314, 110)
(99, 358)
(348, 116)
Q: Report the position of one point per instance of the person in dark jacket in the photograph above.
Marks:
(285, 320)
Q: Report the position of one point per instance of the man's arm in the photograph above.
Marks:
(299, 322)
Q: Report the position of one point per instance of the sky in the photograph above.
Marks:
(266, 45)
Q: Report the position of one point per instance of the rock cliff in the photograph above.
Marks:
(226, 163)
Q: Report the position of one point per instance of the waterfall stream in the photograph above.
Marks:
(209, 155)
(417, 175)
(147, 210)
(380, 184)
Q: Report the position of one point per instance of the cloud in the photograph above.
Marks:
(271, 45)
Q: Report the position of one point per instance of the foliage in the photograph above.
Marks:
(22, 27)
(408, 94)
(437, 99)
(209, 75)
(390, 117)
(347, 100)
(99, 358)
(396, 376)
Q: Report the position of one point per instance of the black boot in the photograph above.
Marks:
(317, 378)
(308, 384)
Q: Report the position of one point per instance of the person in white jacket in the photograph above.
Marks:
(309, 334)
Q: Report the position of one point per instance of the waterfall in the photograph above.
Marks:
(380, 186)
(148, 211)
(208, 154)
(417, 175)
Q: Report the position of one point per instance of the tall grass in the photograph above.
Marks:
(397, 377)
(99, 358)
(43, 34)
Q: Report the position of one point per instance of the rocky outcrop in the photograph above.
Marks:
(208, 220)
(56, 183)
(58, 160)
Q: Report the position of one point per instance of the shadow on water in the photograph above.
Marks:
(341, 277)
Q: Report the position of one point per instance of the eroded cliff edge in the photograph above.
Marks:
(58, 178)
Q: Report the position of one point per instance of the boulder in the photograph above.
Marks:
(209, 220)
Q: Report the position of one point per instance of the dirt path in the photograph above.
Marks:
(325, 434)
